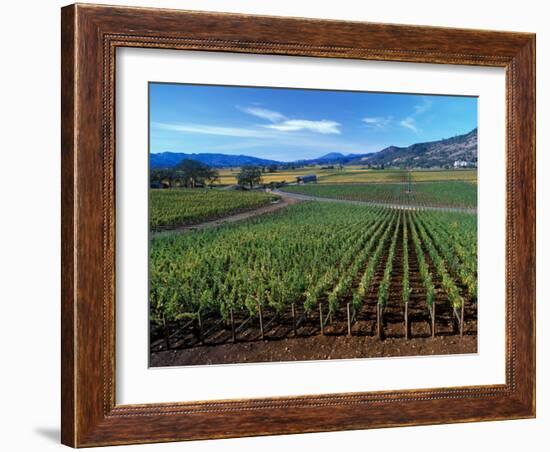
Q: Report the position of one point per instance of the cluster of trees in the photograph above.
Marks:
(249, 176)
(188, 173)
(193, 174)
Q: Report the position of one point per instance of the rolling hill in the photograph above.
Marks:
(460, 149)
(171, 159)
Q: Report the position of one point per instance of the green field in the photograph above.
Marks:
(180, 206)
(311, 253)
(353, 174)
(439, 194)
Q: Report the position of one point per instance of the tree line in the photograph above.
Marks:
(193, 174)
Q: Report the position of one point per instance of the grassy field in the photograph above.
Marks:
(180, 206)
(355, 174)
(440, 194)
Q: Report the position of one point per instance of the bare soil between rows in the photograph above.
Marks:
(280, 343)
(314, 348)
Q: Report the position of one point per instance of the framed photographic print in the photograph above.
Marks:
(279, 225)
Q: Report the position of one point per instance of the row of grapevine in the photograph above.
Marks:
(323, 285)
(439, 194)
(425, 274)
(465, 269)
(368, 274)
(447, 281)
(306, 255)
(272, 262)
(177, 207)
(344, 284)
(405, 285)
(384, 288)
(462, 234)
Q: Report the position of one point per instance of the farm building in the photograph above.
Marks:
(306, 179)
(460, 164)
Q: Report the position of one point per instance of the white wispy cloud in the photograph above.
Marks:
(213, 130)
(409, 123)
(293, 125)
(282, 123)
(280, 126)
(377, 122)
(264, 113)
(423, 107)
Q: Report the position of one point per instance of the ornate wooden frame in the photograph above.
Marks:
(90, 35)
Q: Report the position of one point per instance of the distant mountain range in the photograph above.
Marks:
(171, 159)
(331, 158)
(460, 150)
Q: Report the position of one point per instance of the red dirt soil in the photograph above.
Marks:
(314, 348)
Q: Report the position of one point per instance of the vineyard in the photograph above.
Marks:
(440, 194)
(315, 269)
(178, 207)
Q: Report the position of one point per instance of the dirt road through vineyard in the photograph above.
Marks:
(282, 203)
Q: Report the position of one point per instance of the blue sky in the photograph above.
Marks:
(292, 124)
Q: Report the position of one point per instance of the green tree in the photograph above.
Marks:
(192, 172)
(162, 176)
(249, 175)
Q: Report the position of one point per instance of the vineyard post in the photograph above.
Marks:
(321, 319)
(349, 320)
(456, 321)
(232, 325)
(260, 316)
(294, 318)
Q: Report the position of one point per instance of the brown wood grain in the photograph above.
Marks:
(67, 227)
(90, 36)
